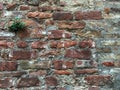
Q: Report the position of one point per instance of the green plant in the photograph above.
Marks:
(17, 25)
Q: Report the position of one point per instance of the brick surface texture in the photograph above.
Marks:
(66, 45)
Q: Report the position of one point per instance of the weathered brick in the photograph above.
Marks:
(22, 44)
(66, 44)
(37, 33)
(81, 54)
(86, 71)
(30, 23)
(108, 64)
(62, 16)
(28, 82)
(87, 43)
(1, 5)
(22, 55)
(45, 8)
(8, 66)
(10, 44)
(84, 63)
(58, 34)
(14, 74)
(63, 72)
(51, 81)
(43, 65)
(71, 24)
(103, 50)
(32, 14)
(38, 45)
(89, 34)
(61, 64)
(93, 88)
(49, 53)
(24, 7)
(24, 34)
(11, 6)
(90, 15)
(44, 15)
(63, 44)
(38, 73)
(3, 43)
(98, 80)
(5, 83)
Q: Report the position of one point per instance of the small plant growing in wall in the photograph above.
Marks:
(17, 26)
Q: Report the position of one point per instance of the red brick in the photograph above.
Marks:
(8, 66)
(45, 8)
(14, 74)
(5, 83)
(108, 64)
(44, 15)
(62, 16)
(28, 82)
(63, 72)
(1, 5)
(3, 43)
(58, 34)
(23, 34)
(87, 43)
(38, 45)
(53, 44)
(50, 8)
(66, 44)
(71, 24)
(49, 22)
(30, 23)
(86, 71)
(38, 73)
(32, 14)
(81, 54)
(22, 55)
(51, 81)
(61, 64)
(98, 79)
(90, 15)
(24, 7)
(11, 6)
(22, 44)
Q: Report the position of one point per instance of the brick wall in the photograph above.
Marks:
(68, 45)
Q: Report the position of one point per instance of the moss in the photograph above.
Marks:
(17, 26)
